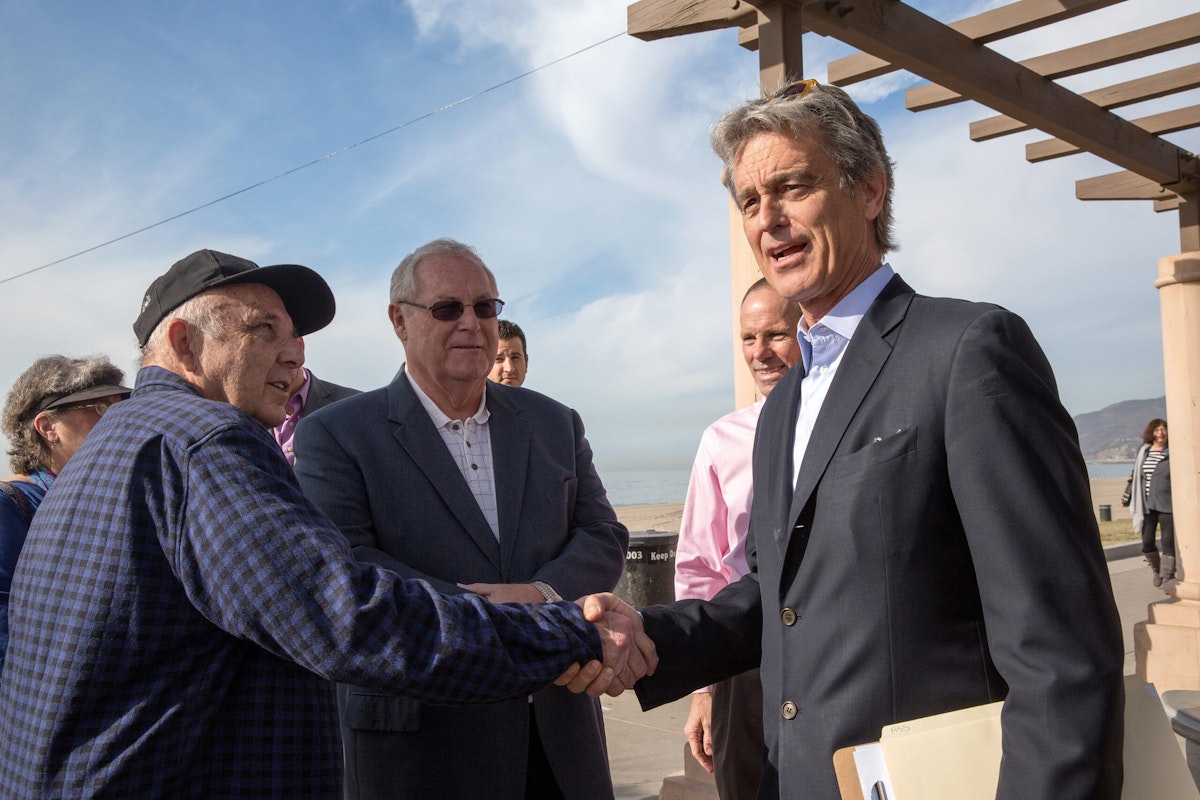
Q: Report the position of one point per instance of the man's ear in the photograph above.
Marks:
(397, 318)
(185, 343)
(873, 191)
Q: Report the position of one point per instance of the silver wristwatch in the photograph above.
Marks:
(547, 591)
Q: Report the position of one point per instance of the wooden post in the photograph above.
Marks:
(780, 54)
(779, 57)
(743, 272)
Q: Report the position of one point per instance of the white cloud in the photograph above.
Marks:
(588, 186)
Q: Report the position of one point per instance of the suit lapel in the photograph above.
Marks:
(316, 394)
(778, 440)
(861, 364)
(511, 436)
(415, 433)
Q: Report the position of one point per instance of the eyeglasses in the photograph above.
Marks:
(451, 310)
(99, 407)
(796, 89)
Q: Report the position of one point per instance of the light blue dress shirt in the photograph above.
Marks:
(822, 347)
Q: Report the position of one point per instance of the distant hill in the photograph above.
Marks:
(1115, 433)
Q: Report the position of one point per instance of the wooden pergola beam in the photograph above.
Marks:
(649, 20)
(903, 36)
(1123, 185)
(1150, 87)
(999, 23)
(1179, 119)
(1103, 53)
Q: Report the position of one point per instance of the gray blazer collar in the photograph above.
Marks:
(510, 434)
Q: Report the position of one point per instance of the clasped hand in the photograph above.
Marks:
(628, 652)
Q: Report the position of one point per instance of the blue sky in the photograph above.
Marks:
(587, 186)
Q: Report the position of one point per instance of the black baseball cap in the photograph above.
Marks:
(305, 295)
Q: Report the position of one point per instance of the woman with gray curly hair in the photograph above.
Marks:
(48, 412)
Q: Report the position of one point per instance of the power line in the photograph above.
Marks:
(315, 161)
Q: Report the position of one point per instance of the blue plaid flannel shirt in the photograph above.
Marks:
(179, 606)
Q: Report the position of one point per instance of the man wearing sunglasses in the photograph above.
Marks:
(180, 608)
(476, 487)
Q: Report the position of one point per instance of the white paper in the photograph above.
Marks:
(868, 760)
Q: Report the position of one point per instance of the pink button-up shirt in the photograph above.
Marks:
(711, 552)
(286, 430)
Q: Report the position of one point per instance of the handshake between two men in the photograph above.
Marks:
(628, 652)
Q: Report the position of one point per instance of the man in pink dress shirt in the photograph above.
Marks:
(724, 727)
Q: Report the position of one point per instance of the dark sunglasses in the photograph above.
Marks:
(796, 89)
(451, 310)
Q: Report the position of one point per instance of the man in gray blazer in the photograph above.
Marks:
(921, 537)
(306, 393)
(471, 486)
(321, 393)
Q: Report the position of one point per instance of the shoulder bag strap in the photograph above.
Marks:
(19, 498)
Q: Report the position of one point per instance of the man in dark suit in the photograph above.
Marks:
(306, 393)
(921, 537)
(489, 490)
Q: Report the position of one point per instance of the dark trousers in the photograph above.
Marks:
(1152, 520)
(737, 731)
(540, 783)
(375, 773)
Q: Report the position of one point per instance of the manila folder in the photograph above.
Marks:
(957, 755)
(952, 755)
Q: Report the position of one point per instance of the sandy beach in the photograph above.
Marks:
(653, 517)
(1107, 491)
(666, 516)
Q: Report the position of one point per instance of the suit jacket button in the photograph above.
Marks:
(789, 617)
(789, 710)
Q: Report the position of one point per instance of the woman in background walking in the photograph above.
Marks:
(1151, 501)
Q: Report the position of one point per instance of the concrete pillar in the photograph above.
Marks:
(1167, 644)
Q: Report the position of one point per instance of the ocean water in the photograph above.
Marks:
(649, 487)
(1110, 469)
(645, 487)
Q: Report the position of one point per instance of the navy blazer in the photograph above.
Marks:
(939, 551)
(376, 464)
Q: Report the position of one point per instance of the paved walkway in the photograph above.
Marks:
(645, 747)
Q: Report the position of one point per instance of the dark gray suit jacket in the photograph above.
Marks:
(939, 551)
(376, 464)
(322, 393)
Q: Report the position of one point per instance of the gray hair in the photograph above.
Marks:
(404, 280)
(850, 138)
(206, 311)
(49, 375)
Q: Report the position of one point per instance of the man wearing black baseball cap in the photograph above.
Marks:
(180, 608)
(304, 293)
